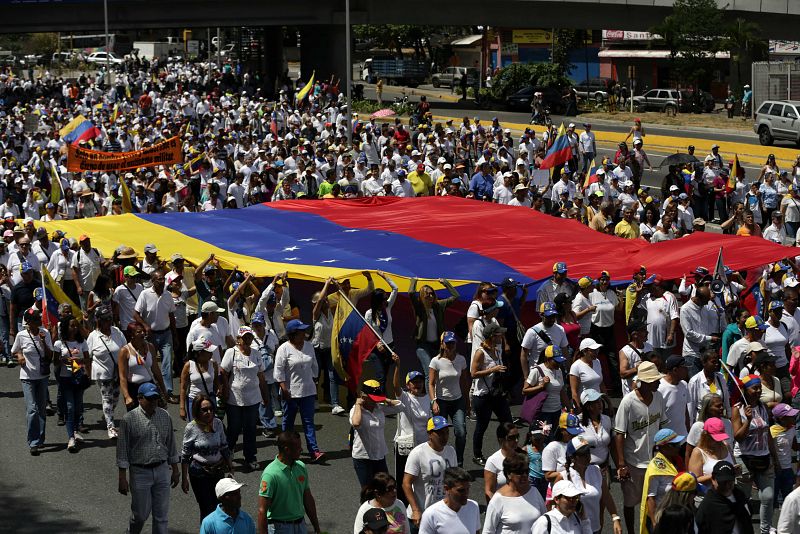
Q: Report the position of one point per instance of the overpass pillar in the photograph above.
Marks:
(322, 50)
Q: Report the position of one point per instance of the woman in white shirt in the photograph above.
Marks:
(582, 306)
(295, 370)
(587, 477)
(379, 316)
(487, 373)
(368, 419)
(412, 424)
(448, 386)
(596, 429)
(517, 505)
(199, 375)
(494, 476)
(381, 492)
(602, 330)
(243, 388)
(33, 351)
(74, 359)
(104, 344)
(547, 376)
(323, 326)
(586, 371)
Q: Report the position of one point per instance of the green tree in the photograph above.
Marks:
(516, 76)
(564, 42)
(42, 43)
(745, 43)
(690, 33)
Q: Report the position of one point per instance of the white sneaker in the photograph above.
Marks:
(71, 445)
(337, 410)
(78, 437)
(112, 433)
(278, 413)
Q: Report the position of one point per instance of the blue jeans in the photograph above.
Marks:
(266, 412)
(163, 344)
(287, 528)
(325, 363)
(456, 410)
(242, 420)
(305, 405)
(35, 393)
(72, 397)
(5, 344)
(425, 353)
(765, 482)
(366, 469)
(588, 157)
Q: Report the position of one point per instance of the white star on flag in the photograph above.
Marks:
(447, 253)
(329, 261)
(351, 230)
(291, 259)
(306, 239)
(290, 249)
(387, 259)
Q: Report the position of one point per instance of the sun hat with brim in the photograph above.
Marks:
(372, 388)
(565, 488)
(590, 395)
(295, 325)
(685, 482)
(714, 427)
(648, 373)
(667, 435)
(437, 422)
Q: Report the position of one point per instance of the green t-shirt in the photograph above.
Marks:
(285, 486)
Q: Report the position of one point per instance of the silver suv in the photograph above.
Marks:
(669, 101)
(451, 77)
(778, 119)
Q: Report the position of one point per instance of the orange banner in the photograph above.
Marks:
(164, 153)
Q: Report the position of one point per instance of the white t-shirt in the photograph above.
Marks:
(414, 417)
(103, 350)
(553, 401)
(660, 312)
(606, 304)
(395, 515)
(634, 359)
(448, 384)
(244, 385)
(32, 349)
(494, 464)
(639, 422)
(676, 398)
(298, 368)
(588, 377)
(155, 309)
(510, 515)
(554, 456)
(441, 519)
(64, 350)
(599, 439)
(775, 340)
(369, 442)
(211, 333)
(428, 466)
(591, 497)
(535, 344)
(126, 298)
(580, 303)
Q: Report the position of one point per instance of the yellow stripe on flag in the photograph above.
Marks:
(55, 290)
(304, 91)
(55, 183)
(74, 123)
(127, 207)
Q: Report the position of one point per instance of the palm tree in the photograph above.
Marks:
(745, 44)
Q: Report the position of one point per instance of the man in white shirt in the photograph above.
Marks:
(700, 323)
(775, 232)
(402, 187)
(539, 336)
(22, 255)
(456, 513)
(86, 267)
(155, 311)
(662, 317)
(675, 391)
(622, 172)
(126, 295)
(587, 147)
(789, 521)
(708, 380)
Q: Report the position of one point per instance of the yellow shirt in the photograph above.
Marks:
(628, 230)
(421, 182)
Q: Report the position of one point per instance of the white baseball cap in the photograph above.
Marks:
(226, 485)
(589, 343)
(562, 488)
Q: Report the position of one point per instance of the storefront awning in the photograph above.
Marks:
(470, 40)
(647, 54)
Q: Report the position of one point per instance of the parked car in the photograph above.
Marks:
(101, 58)
(596, 89)
(62, 57)
(521, 100)
(451, 77)
(669, 101)
(778, 119)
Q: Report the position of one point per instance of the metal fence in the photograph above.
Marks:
(775, 81)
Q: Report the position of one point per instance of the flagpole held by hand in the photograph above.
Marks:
(374, 331)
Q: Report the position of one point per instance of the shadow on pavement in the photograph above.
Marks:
(27, 514)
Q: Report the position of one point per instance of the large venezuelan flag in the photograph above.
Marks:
(560, 152)
(55, 296)
(427, 238)
(351, 342)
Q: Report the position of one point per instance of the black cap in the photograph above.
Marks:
(375, 519)
(763, 357)
(673, 362)
(508, 282)
(723, 472)
(636, 326)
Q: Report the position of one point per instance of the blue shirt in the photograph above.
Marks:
(481, 186)
(218, 522)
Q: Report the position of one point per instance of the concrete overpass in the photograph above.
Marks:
(780, 17)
